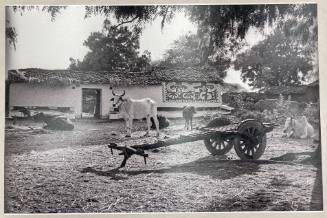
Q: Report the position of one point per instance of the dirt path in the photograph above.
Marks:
(75, 172)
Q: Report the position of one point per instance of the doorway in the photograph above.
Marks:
(91, 103)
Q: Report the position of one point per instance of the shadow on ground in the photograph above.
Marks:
(220, 168)
(217, 169)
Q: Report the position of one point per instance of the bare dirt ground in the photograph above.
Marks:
(73, 171)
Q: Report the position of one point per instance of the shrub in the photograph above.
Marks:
(249, 105)
(312, 113)
(267, 104)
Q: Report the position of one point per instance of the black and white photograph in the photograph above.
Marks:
(160, 108)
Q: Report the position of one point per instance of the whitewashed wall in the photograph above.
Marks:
(23, 94)
(155, 93)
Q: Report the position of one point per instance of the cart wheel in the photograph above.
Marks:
(219, 144)
(250, 143)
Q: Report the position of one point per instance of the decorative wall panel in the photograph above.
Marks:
(191, 92)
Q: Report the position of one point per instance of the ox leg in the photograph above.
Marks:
(156, 122)
(191, 122)
(128, 128)
(148, 123)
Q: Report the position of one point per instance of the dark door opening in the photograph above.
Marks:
(91, 103)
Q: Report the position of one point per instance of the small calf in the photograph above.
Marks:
(188, 112)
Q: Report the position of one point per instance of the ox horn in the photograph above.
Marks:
(123, 93)
(113, 93)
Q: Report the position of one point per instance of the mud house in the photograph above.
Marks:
(87, 94)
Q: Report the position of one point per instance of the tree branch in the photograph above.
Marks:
(125, 22)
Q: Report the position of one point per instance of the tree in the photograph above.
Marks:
(112, 49)
(186, 52)
(302, 26)
(276, 61)
(220, 24)
(217, 24)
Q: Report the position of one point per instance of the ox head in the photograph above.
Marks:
(289, 125)
(117, 99)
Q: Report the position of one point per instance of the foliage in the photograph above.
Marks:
(221, 22)
(265, 104)
(242, 100)
(112, 49)
(264, 116)
(276, 61)
(136, 15)
(52, 10)
(265, 110)
(284, 106)
(275, 110)
(312, 113)
(186, 52)
(11, 35)
(303, 27)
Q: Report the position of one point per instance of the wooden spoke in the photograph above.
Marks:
(252, 152)
(219, 145)
(252, 140)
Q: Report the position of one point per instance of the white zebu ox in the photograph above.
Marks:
(132, 109)
(298, 128)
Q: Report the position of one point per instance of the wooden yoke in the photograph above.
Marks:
(127, 151)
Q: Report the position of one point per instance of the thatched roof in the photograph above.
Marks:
(69, 77)
(188, 74)
(114, 78)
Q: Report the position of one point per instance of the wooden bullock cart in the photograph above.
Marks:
(248, 138)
